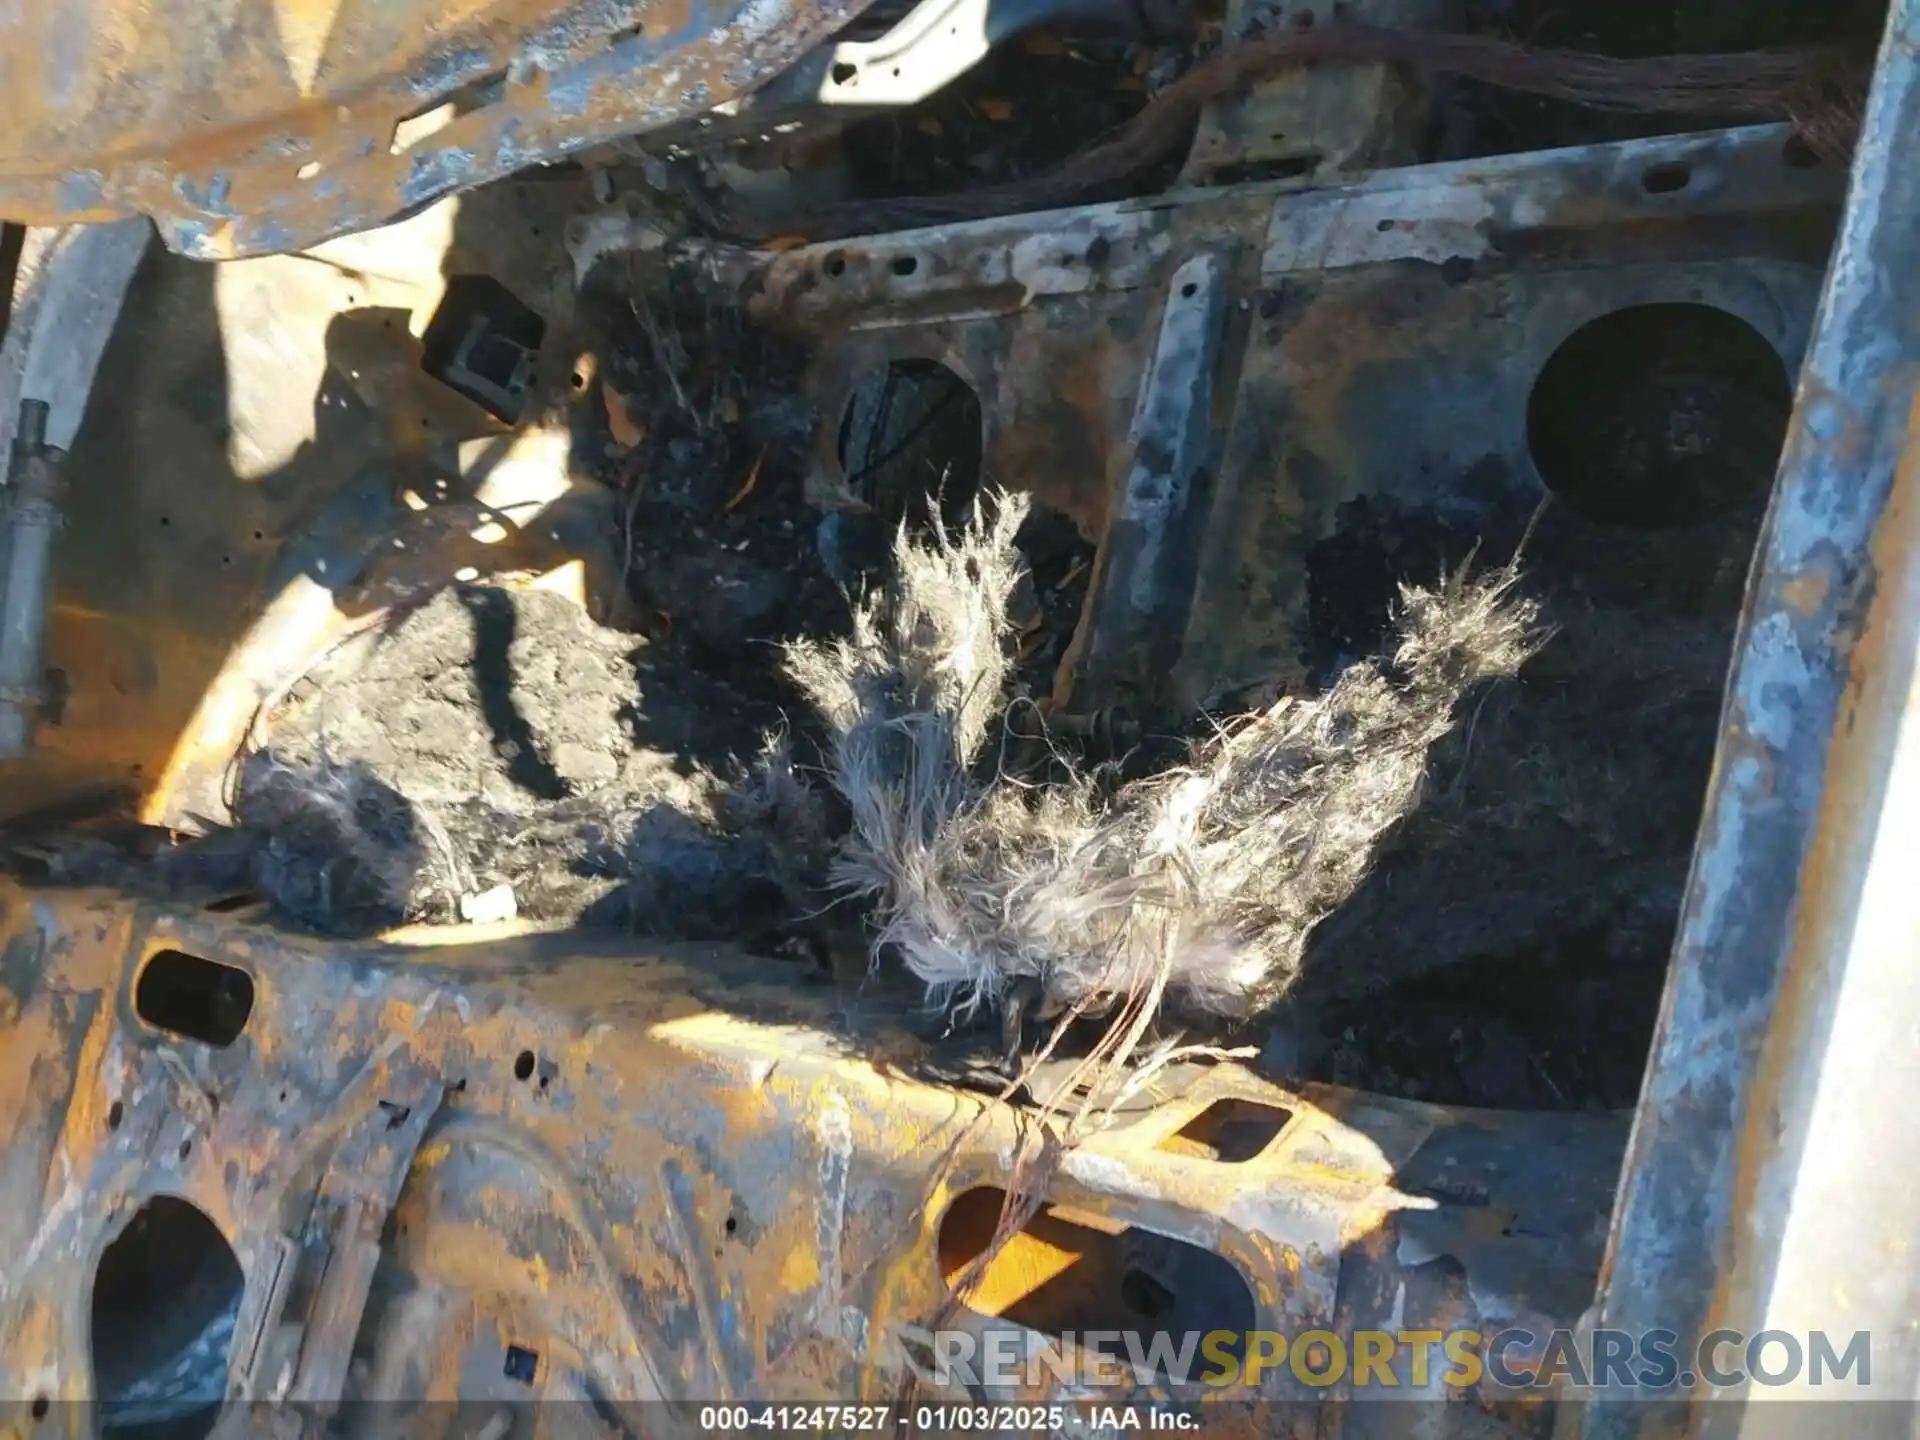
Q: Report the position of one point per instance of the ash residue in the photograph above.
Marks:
(1520, 924)
(640, 776)
(498, 737)
(719, 536)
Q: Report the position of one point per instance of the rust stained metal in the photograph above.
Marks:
(252, 126)
(669, 1173)
(1774, 1147)
(677, 1173)
(280, 413)
(1417, 301)
(1316, 122)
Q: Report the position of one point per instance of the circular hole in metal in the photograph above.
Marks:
(1659, 415)
(905, 264)
(116, 1112)
(523, 1065)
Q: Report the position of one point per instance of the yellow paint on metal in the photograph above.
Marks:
(801, 1271)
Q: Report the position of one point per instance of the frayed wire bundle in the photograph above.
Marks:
(1196, 887)
(1821, 90)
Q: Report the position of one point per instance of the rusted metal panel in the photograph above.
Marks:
(1136, 614)
(1773, 1153)
(278, 410)
(245, 127)
(1317, 123)
(664, 1173)
(1413, 303)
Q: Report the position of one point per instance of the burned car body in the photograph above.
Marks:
(462, 1169)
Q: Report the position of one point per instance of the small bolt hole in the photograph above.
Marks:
(1666, 179)
(905, 264)
(523, 1066)
(115, 1114)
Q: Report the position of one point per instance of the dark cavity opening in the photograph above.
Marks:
(910, 443)
(1230, 1131)
(1668, 178)
(165, 1299)
(522, 1364)
(1797, 154)
(200, 999)
(1068, 1271)
(483, 341)
(1252, 172)
(1658, 416)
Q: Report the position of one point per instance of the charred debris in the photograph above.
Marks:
(892, 691)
